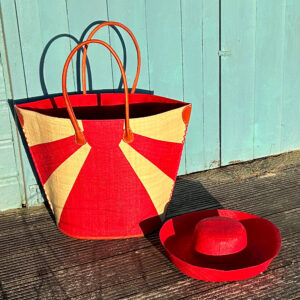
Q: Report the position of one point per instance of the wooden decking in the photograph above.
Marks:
(38, 262)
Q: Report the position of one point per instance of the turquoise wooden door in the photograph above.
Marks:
(260, 90)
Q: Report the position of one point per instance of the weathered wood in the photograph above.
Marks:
(290, 137)
(38, 262)
(163, 21)
(237, 80)
(268, 76)
(80, 25)
(11, 181)
(132, 14)
(200, 39)
(13, 48)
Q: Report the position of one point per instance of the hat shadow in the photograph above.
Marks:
(188, 196)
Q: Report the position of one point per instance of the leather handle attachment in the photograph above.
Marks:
(79, 135)
(83, 66)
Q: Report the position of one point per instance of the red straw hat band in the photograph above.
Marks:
(220, 245)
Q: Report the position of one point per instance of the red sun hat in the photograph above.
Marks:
(220, 245)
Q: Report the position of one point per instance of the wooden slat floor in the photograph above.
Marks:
(38, 262)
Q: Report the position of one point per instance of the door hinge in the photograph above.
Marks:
(224, 52)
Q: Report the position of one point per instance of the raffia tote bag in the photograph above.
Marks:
(107, 162)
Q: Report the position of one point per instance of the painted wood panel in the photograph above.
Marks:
(264, 69)
(10, 196)
(41, 24)
(3, 95)
(200, 38)
(5, 128)
(237, 86)
(8, 167)
(165, 47)
(11, 187)
(132, 15)
(211, 123)
(7, 159)
(13, 49)
(290, 122)
(83, 17)
(192, 55)
(268, 76)
(163, 19)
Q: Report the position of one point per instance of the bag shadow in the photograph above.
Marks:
(78, 58)
(188, 196)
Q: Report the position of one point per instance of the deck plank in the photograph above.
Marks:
(38, 262)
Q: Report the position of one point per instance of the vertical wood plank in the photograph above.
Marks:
(164, 46)
(201, 82)
(163, 19)
(83, 17)
(211, 126)
(11, 188)
(132, 15)
(30, 30)
(2, 86)
(40, 22)
(192, 43)
(290, 124)
(237, 86)
(268, 77)
(13, 47)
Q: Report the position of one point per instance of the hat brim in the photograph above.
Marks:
(263, 244)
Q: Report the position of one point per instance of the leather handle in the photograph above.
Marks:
(83, 66)
(79, 136)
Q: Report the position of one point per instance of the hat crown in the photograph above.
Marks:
(219, 236)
